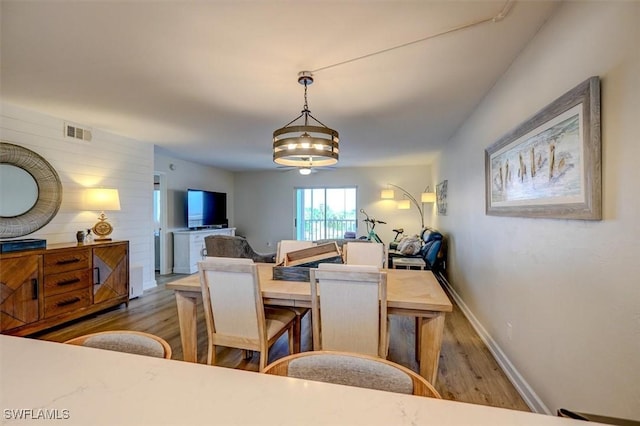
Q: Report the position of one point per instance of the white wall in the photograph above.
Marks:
(261, 204)
(185, 175)
(109, 161)
(569, 288)
(265, 204)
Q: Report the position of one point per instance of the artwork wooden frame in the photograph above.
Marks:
(550, 165)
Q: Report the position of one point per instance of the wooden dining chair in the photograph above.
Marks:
(234, 312)
(133, 342)
(285, 246)
(349, 309)
(352, 369)
(364, 253)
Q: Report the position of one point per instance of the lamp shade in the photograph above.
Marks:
(387, 194)
(101, 199)
(404, 204)
(428, 197)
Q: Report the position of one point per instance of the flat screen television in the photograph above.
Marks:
(206, 209)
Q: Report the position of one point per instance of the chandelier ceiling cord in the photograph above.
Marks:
(494, 18)
(305, 145)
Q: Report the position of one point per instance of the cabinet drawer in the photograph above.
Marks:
(67, 281)
(66, 302)
(67, 261)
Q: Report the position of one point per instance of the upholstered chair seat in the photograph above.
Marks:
(133, 342)
(352, 369)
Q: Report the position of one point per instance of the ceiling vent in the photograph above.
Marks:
(73, 131)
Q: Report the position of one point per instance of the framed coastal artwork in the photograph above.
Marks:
(441, 198)
(550, 165)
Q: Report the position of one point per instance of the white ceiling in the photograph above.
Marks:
(209, 81)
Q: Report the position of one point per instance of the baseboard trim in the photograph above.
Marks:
(526, 392)
(149, 284)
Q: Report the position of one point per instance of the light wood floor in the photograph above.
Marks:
(467, 373)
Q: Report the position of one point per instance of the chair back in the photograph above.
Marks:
(231, 297)
(352, 370)
(285, 246)
(350, 313)
(364, 254)
(129, 341)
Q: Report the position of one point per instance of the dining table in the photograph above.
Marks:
(415, 293)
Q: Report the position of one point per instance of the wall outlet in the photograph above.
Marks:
(509, 331)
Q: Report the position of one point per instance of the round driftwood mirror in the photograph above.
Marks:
(30, 191)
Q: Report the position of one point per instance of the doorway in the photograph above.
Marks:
(160, 222)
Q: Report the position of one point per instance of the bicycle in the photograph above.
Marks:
(371, 225)
(396, 240)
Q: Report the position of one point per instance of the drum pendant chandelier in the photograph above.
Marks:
(305, 145)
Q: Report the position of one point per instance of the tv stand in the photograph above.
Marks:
(188, 248)
(204, 228)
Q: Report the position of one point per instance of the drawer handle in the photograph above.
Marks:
(34, 284)
(68, 302)
(68, 282)
(68, 261)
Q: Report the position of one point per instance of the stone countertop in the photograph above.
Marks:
(81, 386)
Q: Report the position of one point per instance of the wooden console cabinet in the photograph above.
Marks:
(43, 288)
(188, 248)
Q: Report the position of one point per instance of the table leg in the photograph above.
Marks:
(431, 332)
(188, 326)
(418, 342)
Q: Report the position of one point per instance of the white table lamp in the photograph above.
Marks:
(103, 199)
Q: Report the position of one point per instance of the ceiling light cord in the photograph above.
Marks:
(496, 18)
(504, 12)
(305, 109)
(306, 104)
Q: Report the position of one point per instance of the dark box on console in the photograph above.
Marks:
(21, 245)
